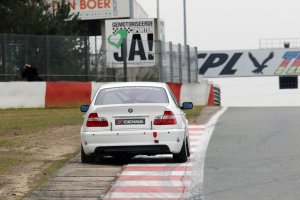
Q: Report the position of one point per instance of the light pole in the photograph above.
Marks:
(158, 19)
(185, 46)
(160, 62)
(131, 5)
(184, 23)
(157, 6)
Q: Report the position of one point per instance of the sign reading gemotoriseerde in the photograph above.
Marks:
(96, 9)
(140, 37)
(266, 62)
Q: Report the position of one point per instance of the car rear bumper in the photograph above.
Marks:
(134, 150)
(135, 142)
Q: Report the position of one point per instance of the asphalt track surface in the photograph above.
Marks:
(254, 154)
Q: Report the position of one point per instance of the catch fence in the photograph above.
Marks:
(60, 58)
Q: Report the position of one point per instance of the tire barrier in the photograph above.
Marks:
(74, 94)
(214, 98)
(217, 95)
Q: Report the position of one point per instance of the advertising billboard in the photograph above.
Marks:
(264, 62)
(96, 9)
(140, 37)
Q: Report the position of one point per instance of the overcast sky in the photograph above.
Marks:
(230, 24)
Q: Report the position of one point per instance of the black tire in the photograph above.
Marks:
(87, 158)
(181, 157)
(188, 148)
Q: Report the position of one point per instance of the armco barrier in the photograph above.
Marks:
(74, 94)
(22, 94)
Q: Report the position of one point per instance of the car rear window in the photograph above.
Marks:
(129, 95)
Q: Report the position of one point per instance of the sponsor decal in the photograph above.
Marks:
(130, 121)
(218, 59)
(287, 59)
(260, 67)
(117, 38)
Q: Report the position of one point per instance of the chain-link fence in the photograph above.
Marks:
(59, 58)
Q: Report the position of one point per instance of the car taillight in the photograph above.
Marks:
(95, 121)
(167, 119)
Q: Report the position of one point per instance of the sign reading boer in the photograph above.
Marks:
(139, 34)
(96, 9)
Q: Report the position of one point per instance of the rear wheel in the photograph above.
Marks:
(87, 158)
(181, 157)
(188, 148)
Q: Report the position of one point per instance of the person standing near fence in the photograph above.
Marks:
(30, 73)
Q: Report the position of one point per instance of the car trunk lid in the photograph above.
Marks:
(131, 116)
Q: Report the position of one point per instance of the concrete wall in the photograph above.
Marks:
(74, 94)
(22, 94)
(67, 94)
(255, 91)
(196, 93)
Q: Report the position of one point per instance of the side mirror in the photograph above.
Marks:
(84, 108)
(187, 106)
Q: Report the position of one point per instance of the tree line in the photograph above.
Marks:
(34, 17)
(55, 43)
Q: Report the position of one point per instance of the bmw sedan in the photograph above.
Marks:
(137, 118)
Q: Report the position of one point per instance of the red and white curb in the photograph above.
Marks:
(167, 181)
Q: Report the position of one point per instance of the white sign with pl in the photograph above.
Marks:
(262, 62)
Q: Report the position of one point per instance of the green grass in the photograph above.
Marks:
(193, 112)
(26, 120)
(14, 122)
(6, 164)
(6, 143)
(11, 158)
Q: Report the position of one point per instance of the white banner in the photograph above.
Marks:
(96, 9)
(265, 62)
(140, 36)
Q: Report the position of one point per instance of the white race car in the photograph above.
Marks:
(134, 118)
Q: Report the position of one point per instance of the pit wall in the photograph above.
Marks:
(255, 92)
(74, 94)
